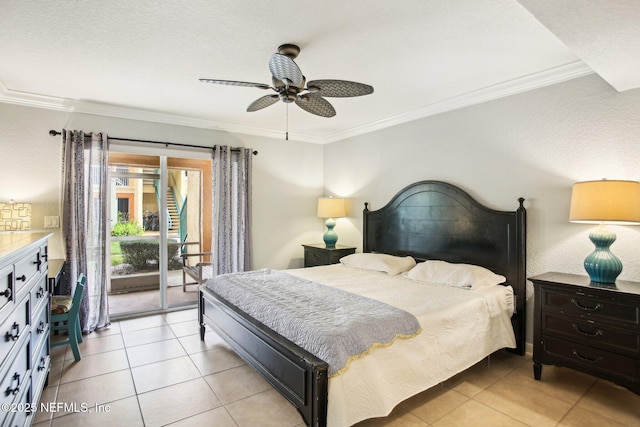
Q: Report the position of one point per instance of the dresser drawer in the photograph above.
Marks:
(39, 371)
(315, 255)
(26, 269)
(39, 328)
(39, 294)
(22, 415)
(591, 307)
(591, 359)
(15, 379)
(594, 334)
(13, 329)
(314, 258)
(6, 291)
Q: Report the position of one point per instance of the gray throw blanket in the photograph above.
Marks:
(334, 325)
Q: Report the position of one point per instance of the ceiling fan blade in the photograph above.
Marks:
(235, 83)
(338, 88)
(283, 68)
(315, 104)
(262, 102)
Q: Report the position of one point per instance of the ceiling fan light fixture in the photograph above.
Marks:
(288, 97)
(289, 83)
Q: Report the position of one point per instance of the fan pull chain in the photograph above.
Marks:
(287, 125)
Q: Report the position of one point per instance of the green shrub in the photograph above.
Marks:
(145, 254)
(131, 228)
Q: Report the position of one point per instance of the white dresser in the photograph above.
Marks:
(24, 325)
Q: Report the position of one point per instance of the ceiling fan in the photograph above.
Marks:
(289, 85)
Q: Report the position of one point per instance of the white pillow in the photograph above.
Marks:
(459, 275)
(390, 264)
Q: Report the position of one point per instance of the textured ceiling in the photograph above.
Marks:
(142, 59)
(605, 34)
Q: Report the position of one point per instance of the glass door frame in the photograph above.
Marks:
(164, 161)
(162, 232)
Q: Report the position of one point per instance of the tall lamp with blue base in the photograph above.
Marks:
(330, 208)
(604, 202)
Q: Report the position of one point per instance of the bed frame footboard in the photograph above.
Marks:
(297, 374)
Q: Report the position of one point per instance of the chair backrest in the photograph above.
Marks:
(77, 296)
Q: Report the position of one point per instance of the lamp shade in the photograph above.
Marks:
(605, 201)
(329, 207)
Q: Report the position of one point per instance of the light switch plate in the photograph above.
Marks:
(51, 222)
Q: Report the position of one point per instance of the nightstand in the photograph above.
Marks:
(320, 255)
(590, 327)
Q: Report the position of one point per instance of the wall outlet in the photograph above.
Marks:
(51, 222)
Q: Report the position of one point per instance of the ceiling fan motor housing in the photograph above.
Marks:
(290, 50)
(290, 95)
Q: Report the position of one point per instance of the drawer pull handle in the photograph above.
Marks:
(40, 293)
(45, 256)
(586, 359)
(22, 278)
(598, 306)
(38, 263)
(587, 333)
(43, 364)
(12, 337)
(7, 293)
(41, 328)
(9, 391)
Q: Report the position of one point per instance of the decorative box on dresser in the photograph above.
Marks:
(24, 325)
(590, 327)
(319, 254)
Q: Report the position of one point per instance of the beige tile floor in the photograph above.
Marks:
(155, 371)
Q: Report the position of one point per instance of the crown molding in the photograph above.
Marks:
(501, 90)
(32, 100)
(522, 84)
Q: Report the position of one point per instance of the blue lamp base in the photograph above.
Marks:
(601, 265)
(330, 237)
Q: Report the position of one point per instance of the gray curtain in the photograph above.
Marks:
(231, 242)
(84, 198)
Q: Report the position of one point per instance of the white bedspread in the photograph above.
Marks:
(460, 328)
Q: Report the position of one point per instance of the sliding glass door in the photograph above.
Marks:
(155, 222)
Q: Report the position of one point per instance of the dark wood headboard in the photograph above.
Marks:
(437, 220)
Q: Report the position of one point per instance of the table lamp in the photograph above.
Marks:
(604, 202)
(330, 208)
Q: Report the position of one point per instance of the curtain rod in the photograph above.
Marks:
(53, 132)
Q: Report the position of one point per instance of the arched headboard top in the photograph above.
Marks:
(437, 220)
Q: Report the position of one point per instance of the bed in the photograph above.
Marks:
(428, 220)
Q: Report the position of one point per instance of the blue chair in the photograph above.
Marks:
(65, 317)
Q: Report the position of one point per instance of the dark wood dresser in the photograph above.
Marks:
(319, 254)
(24, 325)
(590, 327)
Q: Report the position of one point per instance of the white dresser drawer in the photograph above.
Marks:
(13, 329)
(6, 291)
(39, 371)
(22, 410)
(39, 328)
(16, 378)
(25, 270)
(39, 294)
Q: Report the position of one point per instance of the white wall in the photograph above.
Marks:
(533, 145)
(287, 175)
